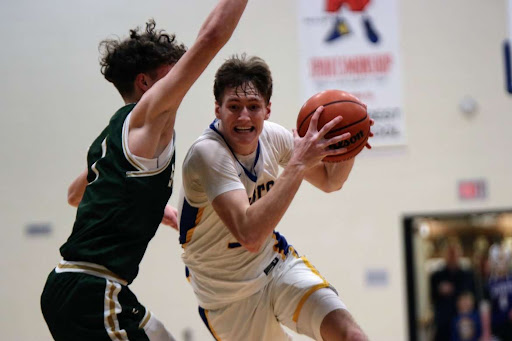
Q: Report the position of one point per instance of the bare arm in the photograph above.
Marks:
(251, 224)
(170, 217)
(152, 122)
(77, 188)
(330, 177)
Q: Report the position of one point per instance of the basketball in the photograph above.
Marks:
(355, 121)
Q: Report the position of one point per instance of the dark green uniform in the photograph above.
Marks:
(120, 212)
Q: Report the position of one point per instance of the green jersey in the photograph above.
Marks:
(122, 206)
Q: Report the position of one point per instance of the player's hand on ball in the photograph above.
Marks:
(313, 147)
(370, 134)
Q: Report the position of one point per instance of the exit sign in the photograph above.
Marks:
(472, 189)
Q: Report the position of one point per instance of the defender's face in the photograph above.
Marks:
(242, 113)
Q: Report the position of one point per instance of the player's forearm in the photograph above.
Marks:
(163, 101)
(263, 216)
(222, 21)
(330, 177)
(337, 174)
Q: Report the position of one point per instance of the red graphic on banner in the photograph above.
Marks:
(355, 5)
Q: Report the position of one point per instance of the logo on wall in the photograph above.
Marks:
(353, 45)
(341, 27)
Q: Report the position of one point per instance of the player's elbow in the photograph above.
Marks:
(74, 197)
(73, 200)
(253, 244)
(252, 248)
(332, 187)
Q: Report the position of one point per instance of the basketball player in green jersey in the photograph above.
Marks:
(127, 183)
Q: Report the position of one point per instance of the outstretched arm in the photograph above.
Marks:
(152, 121)
(251, 224)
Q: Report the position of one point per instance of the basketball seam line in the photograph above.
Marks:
(325, 105)
(347, 126)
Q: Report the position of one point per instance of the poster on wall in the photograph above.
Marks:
(353, 45)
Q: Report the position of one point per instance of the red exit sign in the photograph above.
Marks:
(472, 189)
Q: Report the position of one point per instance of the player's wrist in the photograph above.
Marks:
(297, 167)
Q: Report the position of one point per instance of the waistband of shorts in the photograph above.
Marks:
(90, 269)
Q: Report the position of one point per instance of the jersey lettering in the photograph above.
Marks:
(260, 191)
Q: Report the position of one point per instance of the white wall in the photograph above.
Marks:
(54, 101)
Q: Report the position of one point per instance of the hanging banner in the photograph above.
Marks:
(353, 45)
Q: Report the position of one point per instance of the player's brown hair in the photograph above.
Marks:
(122, 60)
(240, 72)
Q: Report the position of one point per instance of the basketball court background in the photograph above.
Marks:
(54, 101)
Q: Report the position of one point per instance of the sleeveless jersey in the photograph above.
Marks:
(123, 203)
(219, 269)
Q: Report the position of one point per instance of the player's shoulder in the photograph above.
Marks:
(206, 147)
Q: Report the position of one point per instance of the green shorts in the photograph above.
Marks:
(79, 306)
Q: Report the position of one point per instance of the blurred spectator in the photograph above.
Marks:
(446, 284)
(466, 325)
(500, 291)
(480, 267)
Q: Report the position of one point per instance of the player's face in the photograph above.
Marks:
(242, 113)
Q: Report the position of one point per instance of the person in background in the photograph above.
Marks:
(466, 325)
(499, 290)
(446, 284)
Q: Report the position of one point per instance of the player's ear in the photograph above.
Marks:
(267, 108)
(217, 109)
(142, 82)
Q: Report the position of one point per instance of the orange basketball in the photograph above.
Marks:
(355, 121)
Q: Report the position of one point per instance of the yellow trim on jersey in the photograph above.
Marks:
(134, 174)
(190, 232)
(322, 285)
(110, 320)
(103, 153)
(135, 163)
(211, 327)
(90, 269)
(281, 252)
(145, 319)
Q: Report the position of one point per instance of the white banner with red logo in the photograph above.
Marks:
(353, 45)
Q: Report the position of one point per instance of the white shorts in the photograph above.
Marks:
(297, 297)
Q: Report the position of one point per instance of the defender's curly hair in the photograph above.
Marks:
(122, 60)
(238, 71)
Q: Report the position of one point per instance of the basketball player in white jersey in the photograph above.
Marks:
(247, 278)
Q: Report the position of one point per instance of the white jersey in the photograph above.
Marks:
(219, 269)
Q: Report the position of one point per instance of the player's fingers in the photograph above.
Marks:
(313, 124)
(334, 140)
(329, 125)
(295, 133)
(370, 134)
(368, 145)
(334, 151)
(372, 122)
